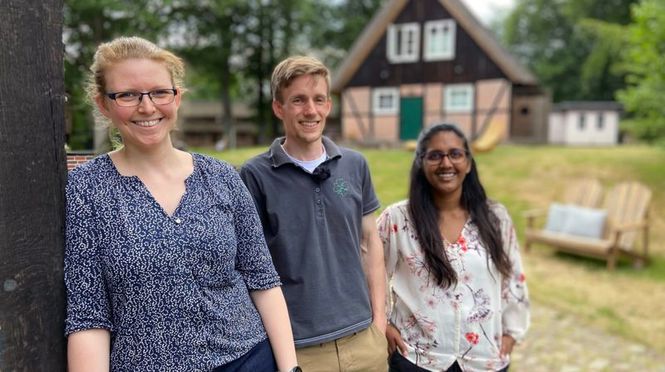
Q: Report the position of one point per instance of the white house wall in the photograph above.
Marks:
(564, 128)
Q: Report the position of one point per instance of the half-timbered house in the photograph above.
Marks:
(420, 62)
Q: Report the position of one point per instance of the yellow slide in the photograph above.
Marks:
(491, 136)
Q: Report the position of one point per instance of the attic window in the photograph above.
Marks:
(384, 101)
(403, 43)
(439, 40)
(458, 98)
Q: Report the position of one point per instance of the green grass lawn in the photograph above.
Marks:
(627, 301)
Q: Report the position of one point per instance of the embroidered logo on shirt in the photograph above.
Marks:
(341, 187)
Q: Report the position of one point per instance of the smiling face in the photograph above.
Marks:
(146, 125)
(444, 176)
(303, 108)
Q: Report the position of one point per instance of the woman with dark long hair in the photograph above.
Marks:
(458, 300)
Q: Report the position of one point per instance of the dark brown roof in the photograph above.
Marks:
(508, 64)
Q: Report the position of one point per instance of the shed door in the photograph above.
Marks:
(410, 117)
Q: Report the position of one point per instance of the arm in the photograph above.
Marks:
(387, 229)
(515, 295)
(375, 271)
(271, 305)
(89, 351)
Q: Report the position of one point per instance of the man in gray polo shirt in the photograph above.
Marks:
(316, 203)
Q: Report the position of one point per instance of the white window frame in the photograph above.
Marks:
(450, 105)
(377, 94)
(403, 33)
(430, 52)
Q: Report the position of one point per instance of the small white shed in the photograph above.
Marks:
(584, 123)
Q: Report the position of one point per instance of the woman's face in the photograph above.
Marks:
(446, 164)
(147, 124)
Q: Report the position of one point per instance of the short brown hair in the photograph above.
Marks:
(293, 67)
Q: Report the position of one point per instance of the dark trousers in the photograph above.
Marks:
(398, 363)
(257, 359)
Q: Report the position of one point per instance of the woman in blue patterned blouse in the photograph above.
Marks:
(166, 267)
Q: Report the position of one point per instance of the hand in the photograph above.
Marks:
(395, 341)
(507, 344)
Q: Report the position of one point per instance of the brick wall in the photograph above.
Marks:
(77, 158)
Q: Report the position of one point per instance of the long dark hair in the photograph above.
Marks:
(425, 215)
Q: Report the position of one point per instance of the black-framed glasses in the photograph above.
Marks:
(455, 156)
(157, 96)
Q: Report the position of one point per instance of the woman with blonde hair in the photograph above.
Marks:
(166, 267)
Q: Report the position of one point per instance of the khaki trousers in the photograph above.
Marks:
(365, 351)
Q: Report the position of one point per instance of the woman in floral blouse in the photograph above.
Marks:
(459, 301)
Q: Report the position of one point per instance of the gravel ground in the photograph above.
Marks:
(558, 342)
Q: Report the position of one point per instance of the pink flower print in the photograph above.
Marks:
(395, 227)
(417, 265)
(472, 337)
(466, 277)
(462, 244)
(521, 278)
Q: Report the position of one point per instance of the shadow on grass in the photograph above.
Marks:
(653, 270)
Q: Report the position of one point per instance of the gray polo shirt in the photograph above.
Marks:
(313, 228)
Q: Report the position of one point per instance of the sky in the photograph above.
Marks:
(487, 10)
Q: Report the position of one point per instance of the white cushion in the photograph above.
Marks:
(575, 220)
(556, 216)
(586, 222)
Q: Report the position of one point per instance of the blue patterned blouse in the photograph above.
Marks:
(173, 290)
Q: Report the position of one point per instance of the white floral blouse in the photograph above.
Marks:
(464, 322)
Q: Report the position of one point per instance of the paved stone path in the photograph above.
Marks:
(558, 342)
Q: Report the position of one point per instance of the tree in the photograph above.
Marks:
(644, 59)
(87, 23)
(571, 45)
(211, 30)
(32, 165)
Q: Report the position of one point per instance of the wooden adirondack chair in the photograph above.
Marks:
(586, 192)
(627, 206)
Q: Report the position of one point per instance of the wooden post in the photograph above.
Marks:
(32, 179)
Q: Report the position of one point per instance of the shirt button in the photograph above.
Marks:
(317, 189)
(178, 220)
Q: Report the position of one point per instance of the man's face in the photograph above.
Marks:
(303, 109)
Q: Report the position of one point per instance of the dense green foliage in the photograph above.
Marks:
(573, 46)
(230, 46)
(644, 58)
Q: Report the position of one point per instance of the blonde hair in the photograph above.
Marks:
(129, 47)
(289, 69)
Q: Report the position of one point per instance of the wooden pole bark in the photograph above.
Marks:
(32, 179)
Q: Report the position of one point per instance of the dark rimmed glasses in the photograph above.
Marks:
(157, 96)
(435, 157)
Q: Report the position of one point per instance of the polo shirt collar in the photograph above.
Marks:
(279, 157)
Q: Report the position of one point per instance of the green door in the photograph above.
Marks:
(410, 117)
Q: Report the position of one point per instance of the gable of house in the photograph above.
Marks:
(477, 54)
(424, 61)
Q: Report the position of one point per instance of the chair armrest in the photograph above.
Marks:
(630, 226)
(531, 216)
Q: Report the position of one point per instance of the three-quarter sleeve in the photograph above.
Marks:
(88, 304)
(253, 259)
(387, 229)
(514, 292)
